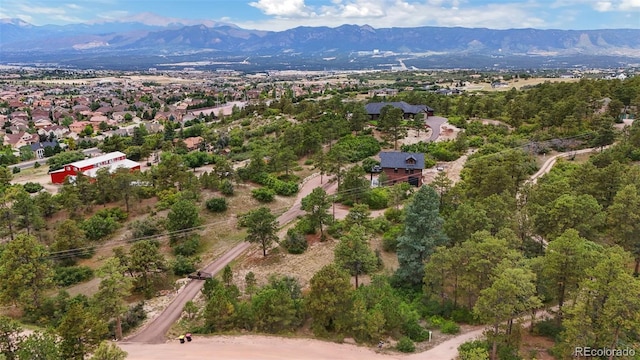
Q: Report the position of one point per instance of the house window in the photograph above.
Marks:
(411, 171)
(406, 171)
(395, 170)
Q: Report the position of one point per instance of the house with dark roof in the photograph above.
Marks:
(409, 111)
(39, 148)
(402, 167)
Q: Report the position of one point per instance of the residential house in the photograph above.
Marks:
(119, 116)
(96, 120)
(153, 127)
(409, 111)
(42, 123)
(57, 131)
(78, 126)
(193, 143)
(39, 148)
(402, 167)
(20, 139)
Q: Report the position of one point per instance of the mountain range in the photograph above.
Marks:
(138, 45)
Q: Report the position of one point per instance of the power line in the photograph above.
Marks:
(69, 253)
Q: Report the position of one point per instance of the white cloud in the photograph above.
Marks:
(395, 13)
(603, 6)
(599, 5)
(283, 8)
(629, 5)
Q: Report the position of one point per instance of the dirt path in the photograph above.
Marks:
(155, 330)
(251, 347)
(548, 164)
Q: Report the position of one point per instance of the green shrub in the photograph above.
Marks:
(379, 225)
(32, 187)
(406, 345)
(394, 215)
(449, 327)
(281, 187)
(304, 226)
(98, 227)
(36, 165)
(436, 321)
(356, 148)
(377, 198)
(463, 315)
(369, 163)
(308, 162)
(294, 242)
(187, 247)
(183, 265)
(474, 350)
(549, 328)
(115, 213)
(263, 194)
(166, 198)
(145, 227)
(336, 229)
(217, 204)
(66, 276)
(15, 170)
(390, 238)
(226, 187)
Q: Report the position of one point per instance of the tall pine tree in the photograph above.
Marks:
(422, 234)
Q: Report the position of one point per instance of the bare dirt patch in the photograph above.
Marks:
(448, 132)
(535, 347)
(36, 175)
(492, 122)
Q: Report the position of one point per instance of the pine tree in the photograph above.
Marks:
(422, 234)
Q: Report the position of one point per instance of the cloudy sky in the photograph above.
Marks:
(285, 14)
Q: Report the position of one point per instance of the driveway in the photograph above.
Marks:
(435, 122)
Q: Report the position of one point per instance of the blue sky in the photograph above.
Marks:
(285, 14)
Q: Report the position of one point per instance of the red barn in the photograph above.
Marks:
(90, 166)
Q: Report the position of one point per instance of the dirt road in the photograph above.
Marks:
(548, 164)
(313, 182)
(252, 347)
(154, 332)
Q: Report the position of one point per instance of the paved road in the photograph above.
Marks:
(435, 122)
(29, 164)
